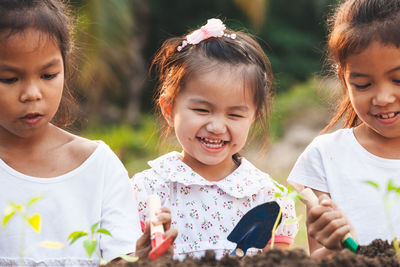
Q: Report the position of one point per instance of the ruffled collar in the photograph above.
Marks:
(245, 181)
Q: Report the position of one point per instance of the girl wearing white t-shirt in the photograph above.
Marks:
(214, 83)
(364, 46)
(81, 182)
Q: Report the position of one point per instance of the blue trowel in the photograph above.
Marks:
(254, 229)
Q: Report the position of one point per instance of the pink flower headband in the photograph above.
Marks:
(213, 28)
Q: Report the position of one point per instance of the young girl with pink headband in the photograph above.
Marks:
(213, 85)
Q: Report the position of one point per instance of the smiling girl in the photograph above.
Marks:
(214, 83)
(364, 45)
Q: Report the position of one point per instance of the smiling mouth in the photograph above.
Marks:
(212, 143)
(387, 115)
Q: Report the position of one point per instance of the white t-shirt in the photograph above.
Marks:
(337, 164)
(206, 212)
(98, 190)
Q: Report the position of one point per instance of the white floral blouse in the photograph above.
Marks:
(205, 212)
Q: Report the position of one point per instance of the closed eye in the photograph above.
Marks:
(200, 110)
(9, 80)
(235, 115)
(361, 86)
(49, 76)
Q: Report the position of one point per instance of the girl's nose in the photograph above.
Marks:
(31, 93)
(216, 126)
(384, 95)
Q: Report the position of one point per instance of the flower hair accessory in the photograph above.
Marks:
(213, 28)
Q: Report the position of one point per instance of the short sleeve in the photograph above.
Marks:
(309, 168)
(119, 213)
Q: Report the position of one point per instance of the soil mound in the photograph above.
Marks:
(378, 254)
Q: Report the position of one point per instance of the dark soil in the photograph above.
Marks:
(378, 253)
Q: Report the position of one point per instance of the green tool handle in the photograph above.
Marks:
(349, 243)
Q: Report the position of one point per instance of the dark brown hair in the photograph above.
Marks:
(174, 67)
(51, 17)
(353, 26)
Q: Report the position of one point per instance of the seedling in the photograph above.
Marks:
(388, 201)
(34, 221)
(290, 194)
(90, 244)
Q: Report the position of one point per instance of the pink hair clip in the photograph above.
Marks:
(213, 28)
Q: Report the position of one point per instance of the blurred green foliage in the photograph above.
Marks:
(294, 104)
(295, 32)
(292, 33)
(118, 38)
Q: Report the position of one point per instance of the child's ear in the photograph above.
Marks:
(166, 110)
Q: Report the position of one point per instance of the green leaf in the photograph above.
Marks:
(293, 195)
(93, 227)
(398, 190)
(76, 235)
(372, 183)
(33, 201)
(7, 218)
(277, 194)
(103, 231)
(279, 186)
(8, 213)
(90, 246)
(292, 221)
(35, 222)
(129, 258)
(390, 186)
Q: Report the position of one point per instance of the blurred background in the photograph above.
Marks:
(116, 39)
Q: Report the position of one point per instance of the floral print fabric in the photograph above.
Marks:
(206, 212)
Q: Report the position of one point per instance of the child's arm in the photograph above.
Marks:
(327, 226)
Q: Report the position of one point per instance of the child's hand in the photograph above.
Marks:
(143, 244)
(327, 223)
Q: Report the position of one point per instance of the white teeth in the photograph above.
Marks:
(387, 116)
(213, 146)
(211, 142)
